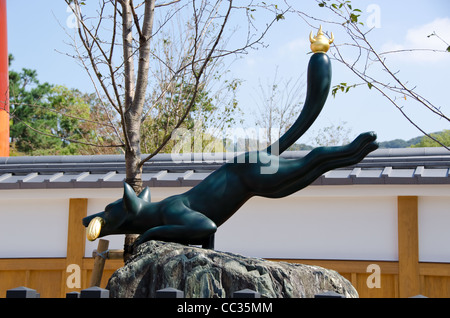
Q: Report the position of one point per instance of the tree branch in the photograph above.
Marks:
(349, 22)
(166, 4)
(136, 19)
(196, 85)
(65, 138)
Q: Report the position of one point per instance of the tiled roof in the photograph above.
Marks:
(383, 166)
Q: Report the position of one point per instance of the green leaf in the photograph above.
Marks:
(448, 49)
(354, 17)
(370, 85)
(334, 91)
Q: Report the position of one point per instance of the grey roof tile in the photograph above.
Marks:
(384, 166)
(434, 173)
(401, 173)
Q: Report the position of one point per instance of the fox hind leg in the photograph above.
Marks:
(293, 175)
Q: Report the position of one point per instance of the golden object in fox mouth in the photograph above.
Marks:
(94, 228)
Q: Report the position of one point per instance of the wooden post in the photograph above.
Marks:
(112, 254)
(99, 263)
(408, 246)
(76, 238)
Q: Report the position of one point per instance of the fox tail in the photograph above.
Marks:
(318, 87)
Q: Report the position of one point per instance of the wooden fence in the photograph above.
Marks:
(54, 277)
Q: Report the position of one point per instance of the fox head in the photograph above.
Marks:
(116, 214)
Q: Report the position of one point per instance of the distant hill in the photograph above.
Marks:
(400, 143)
(442, 136)
(396, 143)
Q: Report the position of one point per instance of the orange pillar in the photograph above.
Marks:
(4, 83)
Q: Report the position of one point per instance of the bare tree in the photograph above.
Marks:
(336, 134)
(360, 56)
(279, 103)
(114, 45)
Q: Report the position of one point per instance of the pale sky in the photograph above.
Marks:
(35, 37)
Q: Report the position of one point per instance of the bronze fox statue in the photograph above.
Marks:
(193, 217)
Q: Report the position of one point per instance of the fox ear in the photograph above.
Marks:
(130, 199)
(145, 194)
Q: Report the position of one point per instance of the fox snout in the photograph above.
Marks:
(89, 218)
(94, 224)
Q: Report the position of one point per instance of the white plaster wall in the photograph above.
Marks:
(434, 229)
(34, 222)
(314, 228)
(333, 222)
(33, 228)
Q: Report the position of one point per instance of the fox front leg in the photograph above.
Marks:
(190, 227)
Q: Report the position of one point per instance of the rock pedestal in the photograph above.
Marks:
(203, 273)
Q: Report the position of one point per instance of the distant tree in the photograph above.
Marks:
(46, 119)
(205, 117)
(297, 147)
(400, 143)
(396, 143)
(332, 135)
(442, 137)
